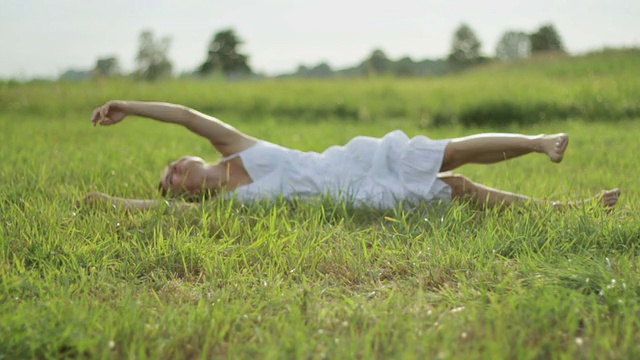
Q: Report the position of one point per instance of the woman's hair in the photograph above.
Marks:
(187, 196)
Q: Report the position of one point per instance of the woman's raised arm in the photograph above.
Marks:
(224, 137)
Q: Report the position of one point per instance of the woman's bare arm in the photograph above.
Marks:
(95, 198)
(224, 137)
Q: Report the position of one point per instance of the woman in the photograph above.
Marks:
(368, 171)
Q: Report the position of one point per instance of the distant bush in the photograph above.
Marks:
(504, 113)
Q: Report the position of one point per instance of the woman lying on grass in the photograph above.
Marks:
(377, 172)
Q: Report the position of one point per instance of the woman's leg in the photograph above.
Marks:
(463, 188)
(491, 148)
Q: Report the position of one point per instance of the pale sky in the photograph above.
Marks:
(47, 37)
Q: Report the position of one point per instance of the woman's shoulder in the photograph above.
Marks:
(251, 149)
(240, 145)
(261, 158)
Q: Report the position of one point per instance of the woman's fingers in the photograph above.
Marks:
(86, 200)
(95, 117)
(101, 115)
(104, 111)
(98, 116)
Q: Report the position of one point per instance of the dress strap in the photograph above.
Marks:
(235, 155)
(230, 157)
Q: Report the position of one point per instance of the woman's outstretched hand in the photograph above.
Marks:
(93, 198)
(98, 199)
(112, 112)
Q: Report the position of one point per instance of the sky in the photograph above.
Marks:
(44, 38)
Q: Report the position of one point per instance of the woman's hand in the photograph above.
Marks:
(92, 199)
(95, 199)
(110, 113)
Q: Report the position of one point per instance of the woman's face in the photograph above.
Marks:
(187, 174)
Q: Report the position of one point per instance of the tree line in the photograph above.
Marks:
(223, 57)
(465, 49)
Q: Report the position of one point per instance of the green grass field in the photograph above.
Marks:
(319, 279)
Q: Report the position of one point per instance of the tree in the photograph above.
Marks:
(106, 67)
(404, 67)
(223, 55)
(378, 63)
(513, 45)
(152, 58)
(465, 48)
(322, 70)
(546, 39)
(75, 75)
(303, 70)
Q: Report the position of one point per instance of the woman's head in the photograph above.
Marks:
(189, 176)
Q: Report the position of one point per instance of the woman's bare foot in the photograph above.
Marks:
(608, 198)
(555, 146)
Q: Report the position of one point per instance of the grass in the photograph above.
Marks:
(307, 279)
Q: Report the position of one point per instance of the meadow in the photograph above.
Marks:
(320, 279)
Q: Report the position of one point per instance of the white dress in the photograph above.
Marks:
(378, 172)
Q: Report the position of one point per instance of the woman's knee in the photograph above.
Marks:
(449, 158)
(460, 185)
